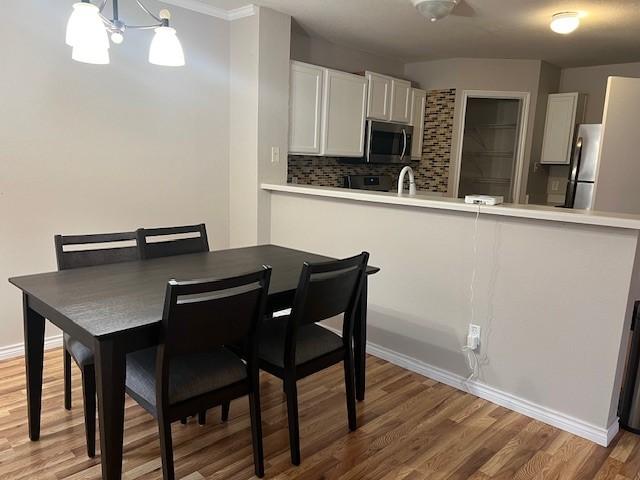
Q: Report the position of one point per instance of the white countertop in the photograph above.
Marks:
(434, 201)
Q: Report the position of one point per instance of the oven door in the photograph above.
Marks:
(388, 142)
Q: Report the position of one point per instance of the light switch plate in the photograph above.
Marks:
(275, 154)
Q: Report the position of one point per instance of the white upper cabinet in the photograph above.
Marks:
(563, 113)
(379, 96)
(389, 99)
(419, 105)
(344, 114)
(400, 101)
(305, 108)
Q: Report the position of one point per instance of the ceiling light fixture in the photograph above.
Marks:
(88, 33)
(435, 10)
(565, 22)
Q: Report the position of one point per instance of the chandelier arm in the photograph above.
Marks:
(144, 27)
(107, 21)
(147, 10)
(102, 5)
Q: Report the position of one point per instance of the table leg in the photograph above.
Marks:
(360, 342)
(33, 357)
(110, 378)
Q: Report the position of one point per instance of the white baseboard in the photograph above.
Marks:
(599, 435)
(17, 350)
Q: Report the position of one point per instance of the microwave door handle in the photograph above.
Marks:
(404, 145)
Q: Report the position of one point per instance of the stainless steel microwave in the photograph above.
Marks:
(388, 142)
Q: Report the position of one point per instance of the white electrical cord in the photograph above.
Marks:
(472, 356)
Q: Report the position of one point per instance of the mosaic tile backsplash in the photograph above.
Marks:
(431, 171)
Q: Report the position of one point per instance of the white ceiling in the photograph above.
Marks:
(610, 30)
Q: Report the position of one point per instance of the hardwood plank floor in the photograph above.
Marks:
(410, 428)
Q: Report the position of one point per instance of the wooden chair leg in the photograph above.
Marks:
(350, 387)
(202, 417)
(225, 411)
(67, 380)
(89, 398)
(166, 449)
(256, 432)
(292, 414)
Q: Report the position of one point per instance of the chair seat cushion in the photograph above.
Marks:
(313, 341)
(79, 352)
(189, 375)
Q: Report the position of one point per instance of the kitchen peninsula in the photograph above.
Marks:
(553, 292)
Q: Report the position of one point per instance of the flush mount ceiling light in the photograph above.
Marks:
(88, 34)
(565, 22)
(435, 9)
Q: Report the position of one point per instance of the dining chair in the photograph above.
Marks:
(153, 242)
(192, 370)
(75, 251)
(170, 241)
(294, 346)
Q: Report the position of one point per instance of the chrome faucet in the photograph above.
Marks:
(412, 181)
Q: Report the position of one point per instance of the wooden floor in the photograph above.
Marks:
(410, 428)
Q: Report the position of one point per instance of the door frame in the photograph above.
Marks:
(524, 98)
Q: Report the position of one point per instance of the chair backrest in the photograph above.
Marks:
(152, 244)
(327, 290)
(202, 314)
(72, 251)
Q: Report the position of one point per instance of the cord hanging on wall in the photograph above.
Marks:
(470, 349)
(88, 33)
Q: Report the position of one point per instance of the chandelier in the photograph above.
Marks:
(88, 32)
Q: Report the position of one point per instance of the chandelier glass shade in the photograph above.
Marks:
(88, 33)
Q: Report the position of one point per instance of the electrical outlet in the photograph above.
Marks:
(555, 186)
(473, 337)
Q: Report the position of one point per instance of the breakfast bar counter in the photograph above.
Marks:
(551, 289)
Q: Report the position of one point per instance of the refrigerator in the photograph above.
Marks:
(584, 166)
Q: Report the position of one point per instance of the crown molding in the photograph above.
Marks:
(241, 12)
(206, 9)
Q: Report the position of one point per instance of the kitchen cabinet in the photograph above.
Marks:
(419, 105)
(305, 108)
(344, 114)
(400, 101)
(388, 98)
(564, 111)
(378, 97)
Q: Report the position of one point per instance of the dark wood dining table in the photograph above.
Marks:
(116, 309)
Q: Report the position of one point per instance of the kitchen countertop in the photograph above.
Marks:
(434, 201)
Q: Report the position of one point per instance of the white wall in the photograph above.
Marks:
(593, 82)
(318, 51)
(480, 74)
(259, 119)
(551, 335)
(87, 148)
(619, 166)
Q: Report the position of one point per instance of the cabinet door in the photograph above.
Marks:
(344, 112)
(400, 101)
(378, 97)
(305, 108)
(559, 127)
(419, 105)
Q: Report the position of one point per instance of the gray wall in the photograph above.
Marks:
(551, 335)
(593, 82)
(87, 148)
(318, 51)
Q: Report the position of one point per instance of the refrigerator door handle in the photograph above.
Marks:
(572, 186)
(575, 167)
